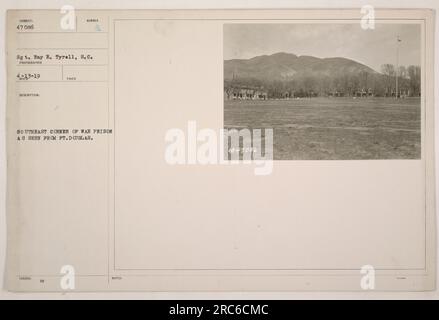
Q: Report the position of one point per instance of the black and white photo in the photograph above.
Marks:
(328, 91)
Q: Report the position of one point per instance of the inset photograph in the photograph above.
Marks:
(328, 91)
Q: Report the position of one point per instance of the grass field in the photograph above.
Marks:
(333, 128)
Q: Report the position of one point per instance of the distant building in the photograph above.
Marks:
(245, 93)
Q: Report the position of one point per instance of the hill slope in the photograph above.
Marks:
(288, 66)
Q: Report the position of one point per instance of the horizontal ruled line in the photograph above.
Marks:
(41, 48)
(71, 81)
(66, 32)
(60, 65)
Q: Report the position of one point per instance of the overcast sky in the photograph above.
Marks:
(370, 47)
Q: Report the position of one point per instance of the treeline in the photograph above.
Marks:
(377, 84)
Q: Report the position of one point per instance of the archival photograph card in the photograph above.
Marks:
(220, 150)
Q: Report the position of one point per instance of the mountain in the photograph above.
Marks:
(288, 66)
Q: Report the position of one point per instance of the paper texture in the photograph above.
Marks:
(120, 170)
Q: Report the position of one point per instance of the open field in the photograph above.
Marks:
(333, 128)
